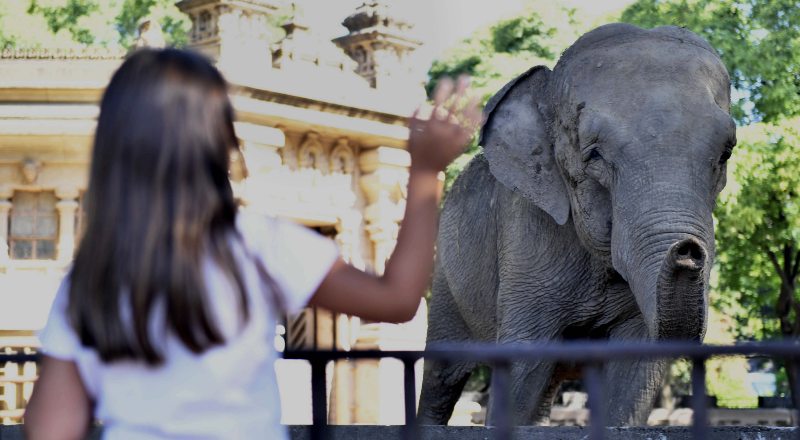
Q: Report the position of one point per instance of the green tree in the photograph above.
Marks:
(110, 23)
(758, 230)
(68, 17)
(757, 39)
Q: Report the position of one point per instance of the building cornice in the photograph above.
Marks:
(92, 53)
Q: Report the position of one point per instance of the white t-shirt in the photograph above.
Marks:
(227, 392)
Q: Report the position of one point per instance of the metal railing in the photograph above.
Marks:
(590, 355)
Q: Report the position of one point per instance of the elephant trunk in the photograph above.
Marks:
(670, 250)
(681, 293)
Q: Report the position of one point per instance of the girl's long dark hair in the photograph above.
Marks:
(159, 204)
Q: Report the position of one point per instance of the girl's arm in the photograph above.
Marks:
(433, 144)
(60, 407)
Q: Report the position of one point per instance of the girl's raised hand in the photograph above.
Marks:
(435, 142)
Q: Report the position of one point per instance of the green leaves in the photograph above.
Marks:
(759, 214)
(106, 23)
(494, 55)
(757, 39)
(523, 34)
(67, 16)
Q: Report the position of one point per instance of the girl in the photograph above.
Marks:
(164, 326)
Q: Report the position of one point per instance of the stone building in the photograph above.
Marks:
(322, 125)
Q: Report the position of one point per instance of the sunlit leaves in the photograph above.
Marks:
(758, 213)
(108, 23)
(759, 41)
(67, 16)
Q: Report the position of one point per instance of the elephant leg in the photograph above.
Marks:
(531, 382)
(632, 386)
(443, 381)
(530, 387)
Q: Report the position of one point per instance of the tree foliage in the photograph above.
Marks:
(758, 235)
(112, 23)
(759, 41)
(68, 17)
(758, 229)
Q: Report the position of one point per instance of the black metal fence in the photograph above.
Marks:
(590, 355)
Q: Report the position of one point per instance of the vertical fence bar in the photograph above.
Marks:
(595, 388)
(410, 396)
(795, 363)
(319, 429)
(699, 401)
(501, 388)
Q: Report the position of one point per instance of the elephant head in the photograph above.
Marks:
(628, 135)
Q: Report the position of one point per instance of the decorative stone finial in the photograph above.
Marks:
(150, 35)
(303, 48)
(234, 33)
(380, 44)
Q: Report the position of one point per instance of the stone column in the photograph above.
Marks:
(5, 207)
(343, 402)
(348, 238)
(66, 206)
(384, 180)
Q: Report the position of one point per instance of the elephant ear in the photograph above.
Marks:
(516, 143)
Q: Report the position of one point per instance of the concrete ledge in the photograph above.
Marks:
(368, 432)
(547, 433)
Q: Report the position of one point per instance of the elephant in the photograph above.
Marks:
(587, 215)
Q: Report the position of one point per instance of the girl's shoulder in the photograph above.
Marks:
(264, 233)
(297, 258)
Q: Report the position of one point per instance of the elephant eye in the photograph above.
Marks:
(726, 154)
(594, 154)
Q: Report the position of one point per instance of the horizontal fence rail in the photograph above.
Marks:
(591, 355)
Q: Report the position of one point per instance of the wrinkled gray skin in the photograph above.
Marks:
(587, 216)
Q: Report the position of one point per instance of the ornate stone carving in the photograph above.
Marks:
(311, 154)
(342, 158)
(385, 175)
(348, 237)
(29, 170)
